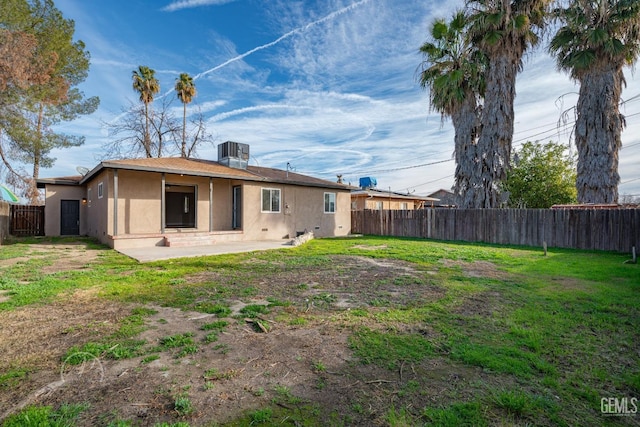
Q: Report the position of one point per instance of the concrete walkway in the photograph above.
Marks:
(157, 253)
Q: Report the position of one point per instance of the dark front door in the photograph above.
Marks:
(180, 210)
(70, 217)
(236, 219)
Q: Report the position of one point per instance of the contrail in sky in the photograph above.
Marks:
(293, 32)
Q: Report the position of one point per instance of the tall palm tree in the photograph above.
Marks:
(503, 30)
(596, 40)
(146, 84)
(186, 90)
(453, 72)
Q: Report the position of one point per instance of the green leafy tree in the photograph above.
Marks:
(504, 30)
(542, 175)
(597, 39)
(186, 90)
(147, 85)
(47, 93)
(453, 71)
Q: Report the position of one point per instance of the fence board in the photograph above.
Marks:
(27, 220)
(5, 219)
(591, 229)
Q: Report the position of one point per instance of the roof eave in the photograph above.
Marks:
(140, 168)
(254, 176)
(42, 182)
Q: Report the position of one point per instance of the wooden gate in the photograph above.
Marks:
(27, 221)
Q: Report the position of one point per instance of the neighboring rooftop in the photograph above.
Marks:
(371, 192)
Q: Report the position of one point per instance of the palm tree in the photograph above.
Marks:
(186, 90)
(503, 30)
(453, 73)
(146, 84)
(597, 39)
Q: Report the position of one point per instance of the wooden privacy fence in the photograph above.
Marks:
(27, 220)
(596, 229)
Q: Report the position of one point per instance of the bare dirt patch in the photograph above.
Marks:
(35, 338)
(243, 370)
(483, 269)
(63, 257)
(341, 282)
(4, 295)
(481, 304)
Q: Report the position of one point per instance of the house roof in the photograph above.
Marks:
(442, 191)
(198, 167)
(386, 194)
(63, 180)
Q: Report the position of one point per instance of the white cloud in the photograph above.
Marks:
(333, 91)
(187, 4)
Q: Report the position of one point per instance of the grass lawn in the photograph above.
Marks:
(352, 331)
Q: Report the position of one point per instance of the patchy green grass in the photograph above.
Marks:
(46, 416)
(12, 377)
(389, 349)
(119, 345)
(544, 337)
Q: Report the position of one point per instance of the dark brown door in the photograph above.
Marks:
(70, 217)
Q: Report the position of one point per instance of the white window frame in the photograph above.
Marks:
(379, 206)
(100, 190)
(404, 206)
(329, 201)
(272, 192)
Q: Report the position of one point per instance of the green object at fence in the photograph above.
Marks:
(8, 195)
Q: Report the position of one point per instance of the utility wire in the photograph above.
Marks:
(556, 128)
(637, 97)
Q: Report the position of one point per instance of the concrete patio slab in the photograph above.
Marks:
(158, 253)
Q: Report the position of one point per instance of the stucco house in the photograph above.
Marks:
(383, 200)
(178, 201)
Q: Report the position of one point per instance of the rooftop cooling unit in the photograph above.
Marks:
(233, 154)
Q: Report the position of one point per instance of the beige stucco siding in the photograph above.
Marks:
(54, 195)
(97, 206)
(222, 208)
(138, 203)
(301, 208)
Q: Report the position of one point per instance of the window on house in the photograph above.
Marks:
(270, 200)
(403, 206)
(379, 206)
(100, 190)
(329, 202)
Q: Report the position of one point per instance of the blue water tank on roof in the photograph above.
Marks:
(368, 182)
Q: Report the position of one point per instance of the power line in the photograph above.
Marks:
(407, 167)
(556, 128)
(432, 181)
(630, 180)
(449, 176)
(628, 101)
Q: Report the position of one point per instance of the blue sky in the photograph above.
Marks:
(328, 86)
